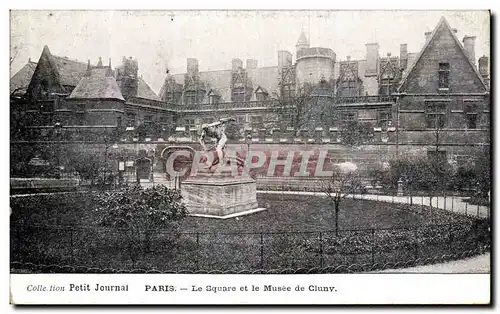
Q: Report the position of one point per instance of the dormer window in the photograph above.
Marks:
(190, 97)
(261, 94)
(444, 74)
(213, 98)
(238, 94)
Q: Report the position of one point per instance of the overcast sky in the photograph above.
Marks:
(161, 39)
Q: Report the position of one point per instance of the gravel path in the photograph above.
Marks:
(472, 265)
(454, 204)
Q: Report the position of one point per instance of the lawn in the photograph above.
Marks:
(313, 213)
(294, 232)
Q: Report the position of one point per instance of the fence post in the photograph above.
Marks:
(416, 243)
(476, 236)
(321, 261)
(373, 246)
(261, 252)
(477, 213)
(444, 201)
(18, 240)
(197, 251)
(450, 239)
(466, 209)
(71, 246)
(452, 203)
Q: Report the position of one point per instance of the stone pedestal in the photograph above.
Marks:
(219, 194)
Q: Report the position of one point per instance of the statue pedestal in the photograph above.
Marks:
(219, 195)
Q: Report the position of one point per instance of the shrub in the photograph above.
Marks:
(141, 214)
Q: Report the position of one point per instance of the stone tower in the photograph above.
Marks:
(302, 43)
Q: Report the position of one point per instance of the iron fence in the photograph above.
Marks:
(455, 204)
(95, 249)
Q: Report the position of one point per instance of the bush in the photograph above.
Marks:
(140, 213)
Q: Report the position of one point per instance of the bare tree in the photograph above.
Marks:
(344, 181)
(295, 107)
(14, 52)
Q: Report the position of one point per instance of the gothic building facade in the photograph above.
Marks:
(436, 99)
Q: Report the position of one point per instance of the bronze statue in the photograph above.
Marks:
(216, 130)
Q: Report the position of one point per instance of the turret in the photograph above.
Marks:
(302, 43)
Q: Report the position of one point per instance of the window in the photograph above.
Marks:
(387, 87)
(261, 96)
(240, 120)
(256, 121)
(190, 98)
(384, 118)
(131, 119)
(80, 118)
(348, 116)
(435, 115)
(349, 89)
(470, 112)
(444, 74)
(238, 94)
(189, 123)
(213, 99)
(170, 97)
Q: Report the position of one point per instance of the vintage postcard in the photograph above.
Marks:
(250, 157)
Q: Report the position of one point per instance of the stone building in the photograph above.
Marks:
(348, 89)
(435, 101)
(443, 101)
(85, 99)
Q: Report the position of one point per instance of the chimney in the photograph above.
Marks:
(372, 59)
(284, 59)
(403, 56)
(484, 67)
(427, 36)
(469, 43)
(99, 63)
(454, 30)
(348, 58)
(89, 69)
(109, 72)
(252, 64)
(192, 66)
(237, 64)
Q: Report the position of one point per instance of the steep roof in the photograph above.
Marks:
(442, 22)
(220, 81)
(302, 39)
(145, 91)
(70, 71)
(95, 85)
(20, 81)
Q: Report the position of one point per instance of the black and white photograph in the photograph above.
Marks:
(249, 147)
